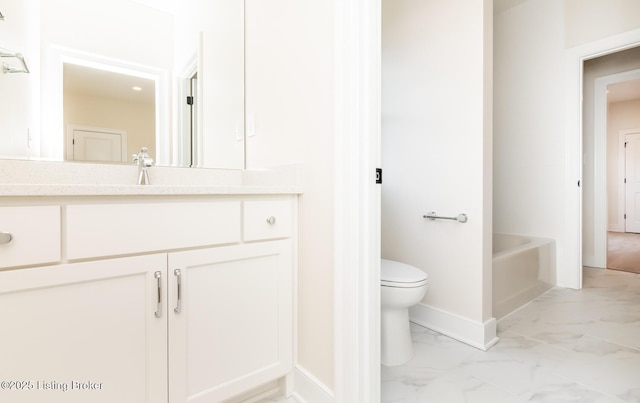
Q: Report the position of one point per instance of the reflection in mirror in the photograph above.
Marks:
(107, 114)
(172, 39)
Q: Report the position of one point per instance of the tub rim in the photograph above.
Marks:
(533, 242)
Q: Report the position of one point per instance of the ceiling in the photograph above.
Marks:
(108, 84)
(624, 91)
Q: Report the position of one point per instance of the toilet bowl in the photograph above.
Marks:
(402, 286)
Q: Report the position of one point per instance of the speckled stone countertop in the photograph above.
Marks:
(40, 178)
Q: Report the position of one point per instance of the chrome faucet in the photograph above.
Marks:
(143, 161)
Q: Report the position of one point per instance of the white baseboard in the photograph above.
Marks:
(475, 334)
(308, 389)
(589, 261)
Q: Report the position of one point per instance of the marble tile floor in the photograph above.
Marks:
(565, 346)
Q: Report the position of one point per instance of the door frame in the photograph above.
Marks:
(622, 192)
(357, 117)
(600, 203)
(575, 57)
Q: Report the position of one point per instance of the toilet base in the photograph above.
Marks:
(395, 340)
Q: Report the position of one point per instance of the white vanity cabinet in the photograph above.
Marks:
(230, 320)
(163, 300)
(83, 332)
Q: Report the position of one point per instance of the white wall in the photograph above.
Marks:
(588, 21)
(529, 152)
(621, 116)
(289, 96)
(436, 147)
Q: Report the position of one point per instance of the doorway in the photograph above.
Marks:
(632, 182)
(623, 240)
(610, 96)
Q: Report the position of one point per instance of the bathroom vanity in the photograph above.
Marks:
(165, 293)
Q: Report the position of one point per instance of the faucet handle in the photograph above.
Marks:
(142, 158)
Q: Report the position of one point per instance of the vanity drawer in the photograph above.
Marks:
(267, 219)
(35, 235)
(115, 229)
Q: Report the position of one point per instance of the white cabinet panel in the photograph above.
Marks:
(36, 235)
(115, 229)
(267, 219)
(84, 332)
(224, 325)
(235, 328)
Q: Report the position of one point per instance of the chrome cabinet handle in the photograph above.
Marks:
(178, 274)
(271, 220)
(5, 237)
(158, 276)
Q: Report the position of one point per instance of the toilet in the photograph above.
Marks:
(402, 286)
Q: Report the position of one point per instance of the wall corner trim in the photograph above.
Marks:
(479, 335)
(308, 389)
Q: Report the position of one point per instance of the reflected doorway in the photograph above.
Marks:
(192, 130)
(93, 144)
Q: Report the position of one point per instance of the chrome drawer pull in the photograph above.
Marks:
(271, 220)
(5, 237)
(178, 274)
(158, 276)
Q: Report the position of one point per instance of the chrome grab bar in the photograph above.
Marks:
(5, 237)
(461, 218)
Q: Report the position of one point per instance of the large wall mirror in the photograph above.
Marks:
(110, 76)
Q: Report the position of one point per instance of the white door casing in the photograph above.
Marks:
(357, 200)
(632, 183)
(571, 252)
(600, 202)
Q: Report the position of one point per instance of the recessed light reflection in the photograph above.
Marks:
(136, 88)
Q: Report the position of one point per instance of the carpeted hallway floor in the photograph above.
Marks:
(623, 251)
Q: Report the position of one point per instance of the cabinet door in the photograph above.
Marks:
(83, 332)
(234, 329)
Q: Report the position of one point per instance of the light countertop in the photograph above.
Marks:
(37, 178)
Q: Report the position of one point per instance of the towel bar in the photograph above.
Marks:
(461, 218)
(6, 68)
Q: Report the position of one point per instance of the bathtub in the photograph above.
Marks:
(523, 269)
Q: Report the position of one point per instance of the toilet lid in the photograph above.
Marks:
(398, 274)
